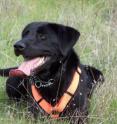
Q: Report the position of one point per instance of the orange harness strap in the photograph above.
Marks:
(54, 111)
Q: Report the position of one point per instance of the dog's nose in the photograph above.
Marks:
(19, 46)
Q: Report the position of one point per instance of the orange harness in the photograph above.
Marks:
(54, 111)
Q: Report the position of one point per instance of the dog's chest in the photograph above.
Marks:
(76, 103)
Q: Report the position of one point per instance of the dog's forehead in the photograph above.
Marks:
(37, 25)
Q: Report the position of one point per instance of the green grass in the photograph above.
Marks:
(97, 22)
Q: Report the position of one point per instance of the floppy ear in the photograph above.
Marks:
(67, 37)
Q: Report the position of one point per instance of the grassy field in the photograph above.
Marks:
(97, 22)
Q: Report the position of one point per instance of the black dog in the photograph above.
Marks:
(53, 43)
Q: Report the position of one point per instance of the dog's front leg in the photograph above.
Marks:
(16, 88)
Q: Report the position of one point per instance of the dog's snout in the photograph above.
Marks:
(19, 46)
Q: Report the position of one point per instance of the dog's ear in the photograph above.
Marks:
(67, 37)
(95, 74)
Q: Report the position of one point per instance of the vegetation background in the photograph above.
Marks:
(97, 22)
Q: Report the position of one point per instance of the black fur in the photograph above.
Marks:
(55, 41)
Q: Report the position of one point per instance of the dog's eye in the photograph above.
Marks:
(42, 36)
(25, 33)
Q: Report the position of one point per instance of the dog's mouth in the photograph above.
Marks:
(29, 66)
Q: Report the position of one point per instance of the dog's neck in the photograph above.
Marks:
(62, 75)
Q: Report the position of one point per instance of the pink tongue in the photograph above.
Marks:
(27, 67)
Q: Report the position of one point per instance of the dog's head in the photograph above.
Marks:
(49, 40)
